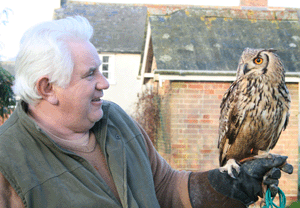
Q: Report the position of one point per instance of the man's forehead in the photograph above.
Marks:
(84, 52)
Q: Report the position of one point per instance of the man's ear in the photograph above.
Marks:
(46, 90)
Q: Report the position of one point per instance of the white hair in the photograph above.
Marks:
(44, 51)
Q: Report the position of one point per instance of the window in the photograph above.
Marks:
(107, 67)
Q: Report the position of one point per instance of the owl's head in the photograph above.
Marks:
(258, 62)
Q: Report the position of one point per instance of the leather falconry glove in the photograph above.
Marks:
(216, 189)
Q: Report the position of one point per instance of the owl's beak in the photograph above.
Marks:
(246, 69)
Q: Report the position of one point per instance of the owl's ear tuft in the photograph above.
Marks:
(271, 50)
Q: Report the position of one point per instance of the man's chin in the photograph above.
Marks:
(97, 116)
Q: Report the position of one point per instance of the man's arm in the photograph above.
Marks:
(180, 189)
(171, 185)
(208, 189)
(8, 196)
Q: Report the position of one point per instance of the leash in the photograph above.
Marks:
(269, 200)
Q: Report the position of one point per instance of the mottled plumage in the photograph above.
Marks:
(255, 108)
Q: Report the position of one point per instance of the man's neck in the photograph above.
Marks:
(52, 122)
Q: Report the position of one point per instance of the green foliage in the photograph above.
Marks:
(295, 205)
(6, 93)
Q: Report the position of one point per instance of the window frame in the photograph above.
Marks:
(111, 67)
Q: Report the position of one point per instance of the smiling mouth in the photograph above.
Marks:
(96, 99)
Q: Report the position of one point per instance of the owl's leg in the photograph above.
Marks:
(263, 154)
(259, 154)
(229, 166)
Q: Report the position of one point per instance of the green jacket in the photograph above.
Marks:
(46, 175)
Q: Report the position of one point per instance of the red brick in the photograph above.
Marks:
(195, 86)
(191, 121)
(206, 116)
(209, 92)
(178, 146)
(205, 151)
(254, 3)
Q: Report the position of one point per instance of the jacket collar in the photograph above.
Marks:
(32, 127)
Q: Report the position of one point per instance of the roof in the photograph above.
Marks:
(117, 28)
(214, 39)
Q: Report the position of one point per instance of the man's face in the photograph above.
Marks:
(80, 103)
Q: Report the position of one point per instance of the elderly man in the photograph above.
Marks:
(65, 147)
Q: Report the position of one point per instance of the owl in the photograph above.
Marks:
(254, 110)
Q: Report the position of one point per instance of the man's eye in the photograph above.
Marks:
(91, 73)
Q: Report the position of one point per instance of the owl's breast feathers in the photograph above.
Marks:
(254, 112)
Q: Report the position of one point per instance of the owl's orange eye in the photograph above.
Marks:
(258, 60)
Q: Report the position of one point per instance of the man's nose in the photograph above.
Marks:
(102, 83)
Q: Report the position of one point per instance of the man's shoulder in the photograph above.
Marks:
(109, 105)
(11, 142)
(117, 117)
(10, 128)
(112, 109)
(13, 137)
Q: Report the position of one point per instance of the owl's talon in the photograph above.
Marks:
(230, 165)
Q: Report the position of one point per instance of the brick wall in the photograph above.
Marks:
(254, 3)
(192, 116)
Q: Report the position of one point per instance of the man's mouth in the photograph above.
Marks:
(96, 99)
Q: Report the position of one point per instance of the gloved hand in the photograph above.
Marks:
(216, 189)
(271, 177)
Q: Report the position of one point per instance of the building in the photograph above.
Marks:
(193, 54)
(190, 55)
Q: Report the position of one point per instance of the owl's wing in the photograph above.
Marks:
(284, 111)
(231, 118)
(285, 93)
(227, 104)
